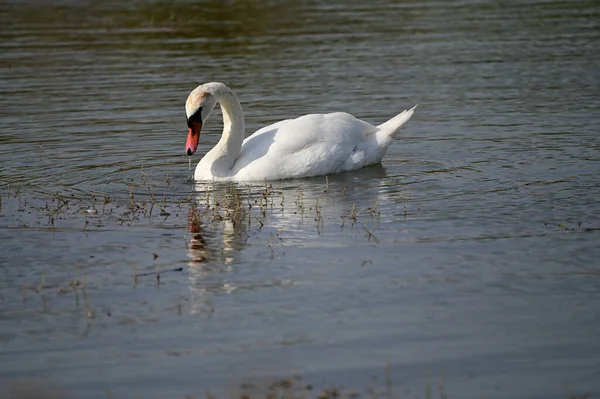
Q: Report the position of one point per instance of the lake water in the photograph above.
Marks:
(466, 265)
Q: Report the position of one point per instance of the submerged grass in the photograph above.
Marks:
(294, 387)
(241, 210)
(246, 208)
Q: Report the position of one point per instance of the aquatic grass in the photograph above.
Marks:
(152, 200)
(296, 387)
(143, 174)
(60, 288)
(247, 207)
(300, 203)
(62, 205)
(132, 204)
(279, 388)
(18, 193)
(156, 273)
(374, 213)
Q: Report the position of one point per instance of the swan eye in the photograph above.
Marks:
(197, 117)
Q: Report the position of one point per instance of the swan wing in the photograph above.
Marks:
(310, 145)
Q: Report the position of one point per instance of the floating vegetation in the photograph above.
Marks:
(248, 207)
(294, 387)
(266, 210)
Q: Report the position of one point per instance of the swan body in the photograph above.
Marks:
(311, 145)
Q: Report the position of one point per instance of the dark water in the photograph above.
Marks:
(471, 255)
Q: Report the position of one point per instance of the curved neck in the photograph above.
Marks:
(228, 148)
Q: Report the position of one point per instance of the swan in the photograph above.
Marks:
(311, 145)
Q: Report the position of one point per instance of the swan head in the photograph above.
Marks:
(198, 107)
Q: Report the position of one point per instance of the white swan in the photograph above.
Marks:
(311, 145)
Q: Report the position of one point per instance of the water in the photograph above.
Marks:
(470, 256)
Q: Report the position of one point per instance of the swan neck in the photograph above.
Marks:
(233, 126)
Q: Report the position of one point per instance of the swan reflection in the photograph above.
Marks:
(238, 211)
(211, 243)
(224, 217)
(197, 248)
(215, 241)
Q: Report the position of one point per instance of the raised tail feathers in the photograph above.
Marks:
(388, 129)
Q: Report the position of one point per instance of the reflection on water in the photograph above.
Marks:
(210, 257)
(198, 249)
(470, 250)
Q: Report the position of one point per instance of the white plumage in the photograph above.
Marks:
(311, 145)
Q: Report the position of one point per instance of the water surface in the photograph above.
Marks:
(469, 255)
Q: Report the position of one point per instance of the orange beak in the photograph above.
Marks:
(193, 137)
